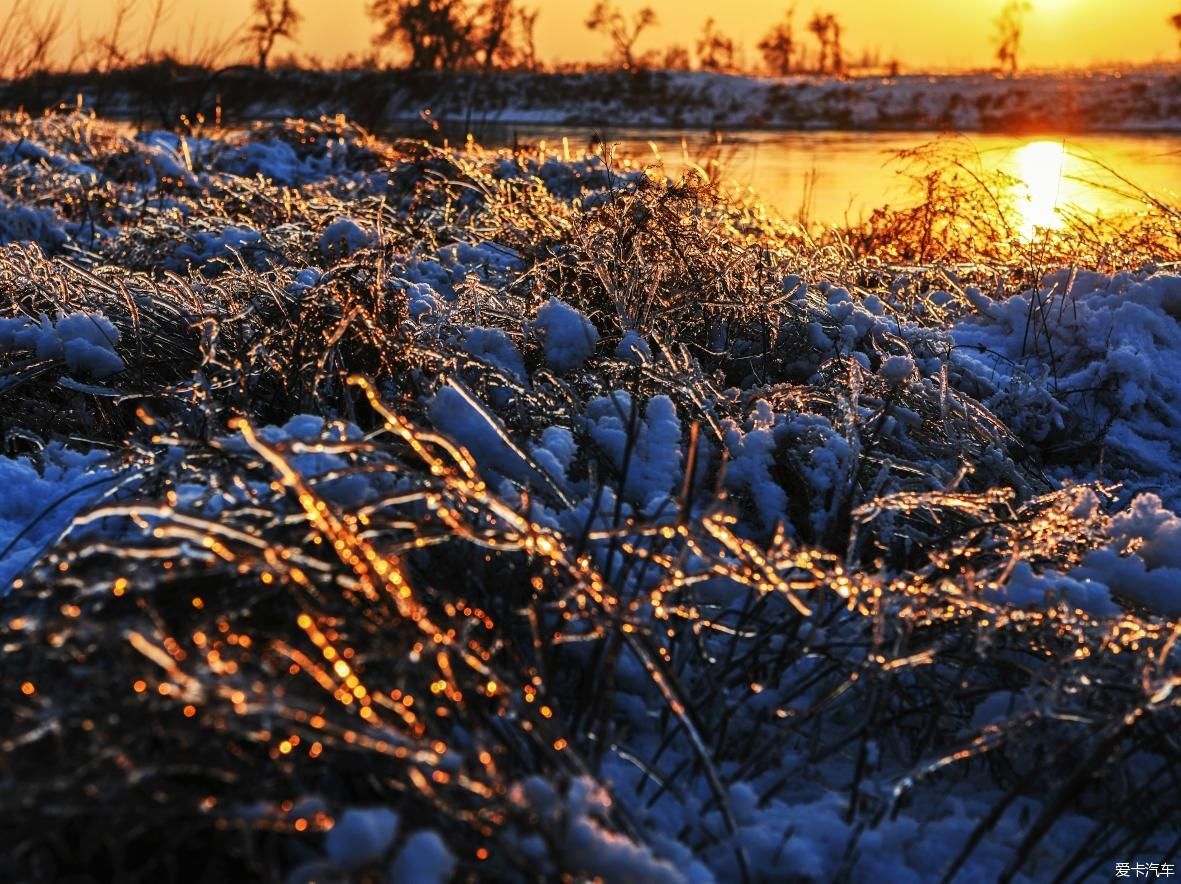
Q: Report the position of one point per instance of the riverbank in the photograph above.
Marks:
(1144, 100)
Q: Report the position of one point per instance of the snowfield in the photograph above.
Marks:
(396, 513)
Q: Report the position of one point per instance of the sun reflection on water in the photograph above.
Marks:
(1039, 167)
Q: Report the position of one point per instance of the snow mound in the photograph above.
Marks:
(896, 368)
(646, 451)
(476, 430)
(423, 859)
(39, 503)
(633, 348)
(211, 251)
(1086, 360)
(84, 341)
(493, 346)
(361, 836)
(585, 844)
(28, 224)
(344, 237)
(752, 457)
(1025, 588)
(1143, 562)
(567, 336)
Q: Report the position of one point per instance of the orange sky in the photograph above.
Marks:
(921, 33)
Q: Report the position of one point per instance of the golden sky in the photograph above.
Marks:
(921, 33)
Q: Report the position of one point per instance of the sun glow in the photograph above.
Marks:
(1038, 168)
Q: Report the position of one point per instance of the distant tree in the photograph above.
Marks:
(676, 58)
(622, 31)
(1175, 21)
(452, 34)
(272, 19)
(827, 29)
(818, 25)
(869, 58)
(834, 42)
(527, 23)
(491, 33)
(715, 51)
(436, 33)
(779, 45)
(1010, 27)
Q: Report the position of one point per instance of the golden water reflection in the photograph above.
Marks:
(1054, 179)
(833, 178)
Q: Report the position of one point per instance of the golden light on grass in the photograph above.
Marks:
(321, 615)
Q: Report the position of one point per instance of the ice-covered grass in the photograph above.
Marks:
(448, 515)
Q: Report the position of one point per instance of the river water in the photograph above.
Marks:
(827, 178)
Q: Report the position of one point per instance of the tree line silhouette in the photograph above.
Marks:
(471, 35)
(457, 34)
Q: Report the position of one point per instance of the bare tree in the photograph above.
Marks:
(527, 24)
(834, 42)
(454, 34)
(1010, 27)
(437, 33)
(622, 31)
(676, 58)
(818, 25)
(272, 19)
(779, 45)
(715, 51)
(491, 33)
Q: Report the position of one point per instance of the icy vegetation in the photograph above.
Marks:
(386, 513)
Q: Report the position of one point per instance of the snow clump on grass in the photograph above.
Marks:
(85, 342)
(567, 336)
(361, 835)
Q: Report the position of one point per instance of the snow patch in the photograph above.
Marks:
(567, 336)
(84, 341)
(40, 499)
(361, 836)
(423, 859)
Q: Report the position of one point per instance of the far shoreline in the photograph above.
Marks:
(1141, 101)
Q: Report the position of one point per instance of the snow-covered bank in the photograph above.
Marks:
(1043, 103)
(506, 517)
(1143, 100)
